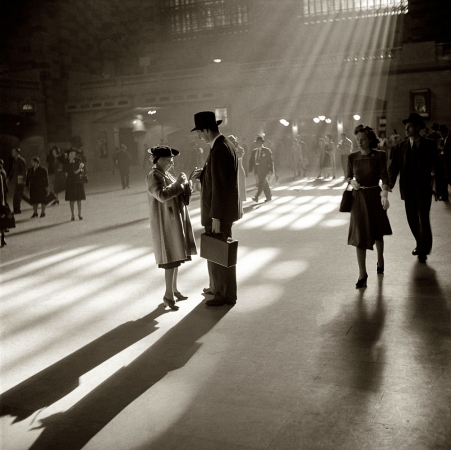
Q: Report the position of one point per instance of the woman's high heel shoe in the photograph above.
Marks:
(380, 270)
(80, 217)
(72, 218)
(180, 296)
(361, 282)
(170, 303)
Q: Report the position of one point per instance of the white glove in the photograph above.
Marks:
(355, 185)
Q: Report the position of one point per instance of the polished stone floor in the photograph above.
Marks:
(91, 359)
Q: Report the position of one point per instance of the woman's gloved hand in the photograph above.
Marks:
(384, 200)
(182, 179)
(355, 185)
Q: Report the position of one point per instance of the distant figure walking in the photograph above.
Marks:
(300, 160)
(344, 147)
(327, 161)
(261, 162)
(122, 162)
(58, 177)
(4, 208)
(369, 222)
(75, 191)
(172, 233)
(241, 172)
(38, 185)
(18, 177)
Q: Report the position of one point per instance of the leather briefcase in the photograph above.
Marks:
(216, 249)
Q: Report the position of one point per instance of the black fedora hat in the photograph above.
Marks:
(205, 120)
(259, 139)
(416, 119)
(163, 152)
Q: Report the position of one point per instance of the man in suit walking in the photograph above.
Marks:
(261, 162)
(18, 176)
(122, 162)
(415, 159)
(220, 201)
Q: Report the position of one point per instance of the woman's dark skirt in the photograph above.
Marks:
(74, 191)
(38, 195)
(369, 220)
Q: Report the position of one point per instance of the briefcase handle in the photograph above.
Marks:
(219, 236)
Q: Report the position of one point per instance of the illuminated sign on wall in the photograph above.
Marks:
(28, 106)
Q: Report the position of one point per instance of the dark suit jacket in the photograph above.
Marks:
(219, 181)
(428, 163)
(266, 164)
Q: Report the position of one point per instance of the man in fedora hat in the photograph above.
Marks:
(220, 202)
(415, 159)
(261, 162)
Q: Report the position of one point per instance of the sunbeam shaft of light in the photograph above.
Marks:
(61, 304)
(92, 298)
(77, 270)
(41, 264)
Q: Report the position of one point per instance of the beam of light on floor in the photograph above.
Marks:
(75, 272)
(41, 263)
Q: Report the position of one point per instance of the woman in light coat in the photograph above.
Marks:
(172, 234)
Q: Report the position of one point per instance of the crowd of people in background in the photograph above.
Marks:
(303, 154)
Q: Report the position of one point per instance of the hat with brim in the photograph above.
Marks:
(70, 150)
(416, 120)
(163, 152)
(259, 139)
(205, 120)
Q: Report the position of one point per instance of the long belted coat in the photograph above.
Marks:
(172, 233)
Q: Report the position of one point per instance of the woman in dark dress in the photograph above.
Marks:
(38, 184)
(369, 221)
(75, 191)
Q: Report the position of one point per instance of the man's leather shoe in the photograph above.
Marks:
(414, 252)
(422, 258)
(255, 199)
(219, 301)
(208, 291)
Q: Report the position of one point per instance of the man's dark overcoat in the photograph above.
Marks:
(219, 181)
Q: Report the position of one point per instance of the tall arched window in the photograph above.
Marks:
(353, 8)
(192, 16)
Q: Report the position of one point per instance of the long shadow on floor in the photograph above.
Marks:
(431, 310)
(72, 429)
(58, 380)
(359, 349)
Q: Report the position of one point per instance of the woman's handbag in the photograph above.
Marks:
(346, 201)
(216, 249)
(7, 219)
(82, 178)
(51, 197)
